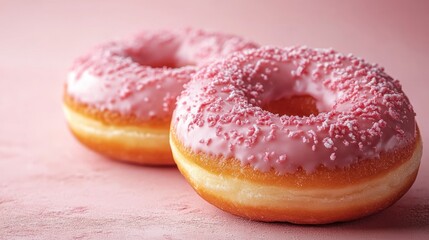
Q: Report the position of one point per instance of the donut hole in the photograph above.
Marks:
(164, 64)
(297, 105)
(156, 62)
(155, 55)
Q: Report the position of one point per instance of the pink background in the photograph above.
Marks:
(52, 187)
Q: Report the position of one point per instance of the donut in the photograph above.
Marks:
(118, 98)
(300, 135)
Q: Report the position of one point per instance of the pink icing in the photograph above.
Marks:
(363, 111)
(143, 75)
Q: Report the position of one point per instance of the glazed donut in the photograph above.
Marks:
(307, 136)
(119, 98)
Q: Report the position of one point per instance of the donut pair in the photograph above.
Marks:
(301, 135)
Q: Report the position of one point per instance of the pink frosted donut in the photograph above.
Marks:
(296, 134)
(119, 98)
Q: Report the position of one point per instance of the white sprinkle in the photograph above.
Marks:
(328, 142)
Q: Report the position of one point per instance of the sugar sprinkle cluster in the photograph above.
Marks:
(367, 112)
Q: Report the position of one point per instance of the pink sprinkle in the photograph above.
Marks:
(282, 158)
(328, 142)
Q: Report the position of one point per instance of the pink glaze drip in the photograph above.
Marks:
(363, 111)
(143, 75)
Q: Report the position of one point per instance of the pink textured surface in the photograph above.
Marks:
(216, 113)
(113, 77)
(52, 187)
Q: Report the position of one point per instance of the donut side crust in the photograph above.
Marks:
(126, 141)
(324, 196)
